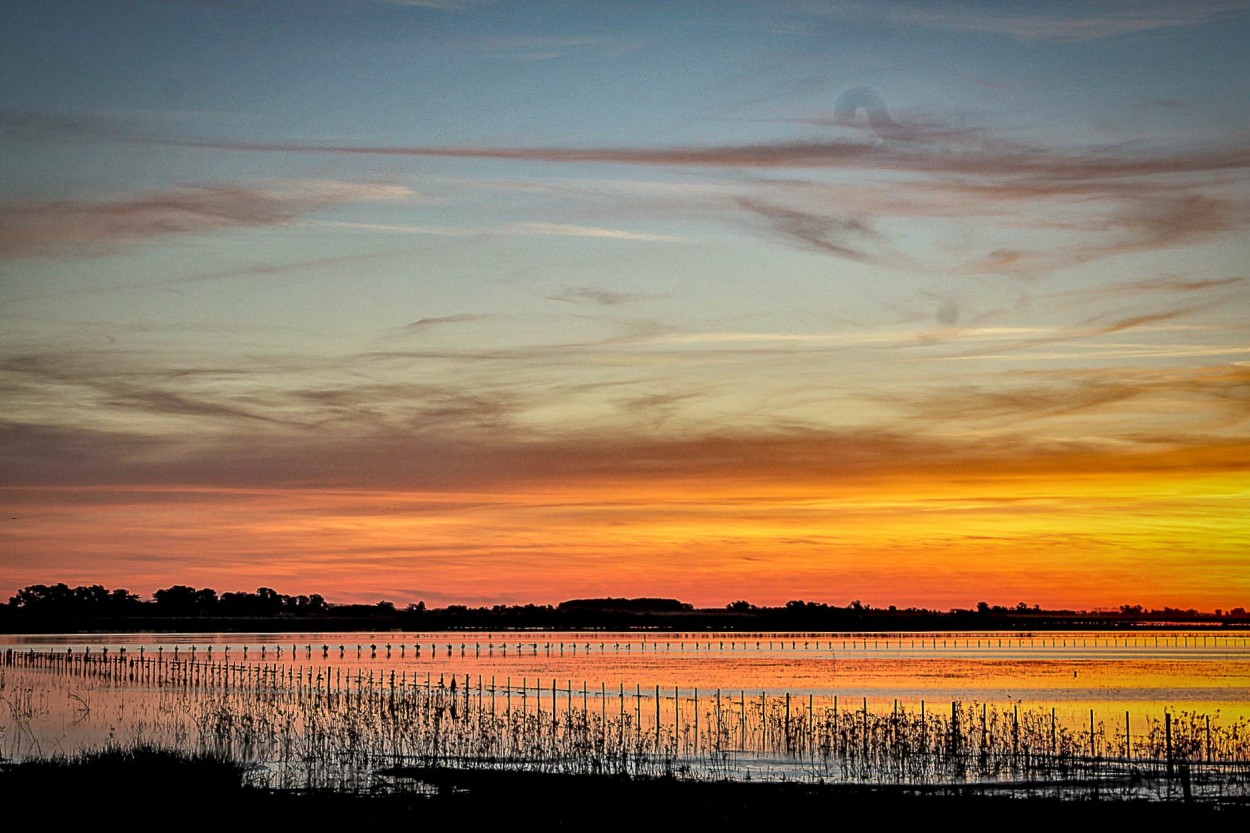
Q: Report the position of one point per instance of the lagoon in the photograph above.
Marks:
(756, 703)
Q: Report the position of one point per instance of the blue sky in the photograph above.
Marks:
(446, 255)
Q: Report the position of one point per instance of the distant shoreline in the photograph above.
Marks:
(766, 621)
(641, 624)
(58, 608)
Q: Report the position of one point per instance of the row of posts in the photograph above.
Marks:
(296, 681)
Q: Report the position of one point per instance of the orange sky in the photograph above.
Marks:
(820, 518)
(504, 303)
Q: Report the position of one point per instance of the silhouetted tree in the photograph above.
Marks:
(182, 600)
(82, 601)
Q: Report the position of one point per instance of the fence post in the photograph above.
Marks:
(742, 707)
(837, 740)
(811, 724)
(788, 747)
(1167, 734)
(1015, 731)
(657, 719)
(763, 724)
(696, 720)
(954, 728)
(1208, 737)
(865, 730)
(924, 731)
(676, 715)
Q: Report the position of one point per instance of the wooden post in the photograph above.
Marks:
(1167, 734)
(865, 728)
(1015, 730)
(1128, 739)
(954, 728)
(742, 709)
(837, 746)
(638, 708)
(1208, 737)
(763, 724)
(676, 709)
(696, 720)
(984, 728)
(657, 719)
(811, 722)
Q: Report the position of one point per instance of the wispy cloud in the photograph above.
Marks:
(426, 323)
(122, 382)
(1084, 331)
(1064, 22)
(535, 49)
(1147, 222)
(78, 226)
(180, 404)
(1044, 395)
(599, 297)
(1102, 200)
(438, 231)
(840, 236)
(451, 459)
(521, 229)
(1108, 199)
(565, 230)
(926, 146)
(1147, 285)
(297, 269)
(1107, 162)
(439, 4)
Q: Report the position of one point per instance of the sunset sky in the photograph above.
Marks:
(915, 303)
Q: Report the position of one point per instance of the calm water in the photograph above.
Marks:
(1135, 671)
(1122, 679)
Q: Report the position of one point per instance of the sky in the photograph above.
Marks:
(505, 302)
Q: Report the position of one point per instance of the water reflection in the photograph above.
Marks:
(269, 693)
(1135, 670)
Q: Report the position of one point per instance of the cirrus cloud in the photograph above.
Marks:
(34, 227)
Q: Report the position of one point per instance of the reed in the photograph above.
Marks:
(300, 725)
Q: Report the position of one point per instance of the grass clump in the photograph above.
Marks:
(117, 773)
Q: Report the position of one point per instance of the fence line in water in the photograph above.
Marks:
(320, 726)
(431, 645)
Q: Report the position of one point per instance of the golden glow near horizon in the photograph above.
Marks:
(486, 321)
(937, 539)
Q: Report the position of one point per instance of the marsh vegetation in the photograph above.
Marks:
(350, 728)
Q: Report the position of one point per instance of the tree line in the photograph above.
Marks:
(61, 607)
(178, 600)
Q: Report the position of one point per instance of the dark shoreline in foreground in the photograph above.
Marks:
(156, 790)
